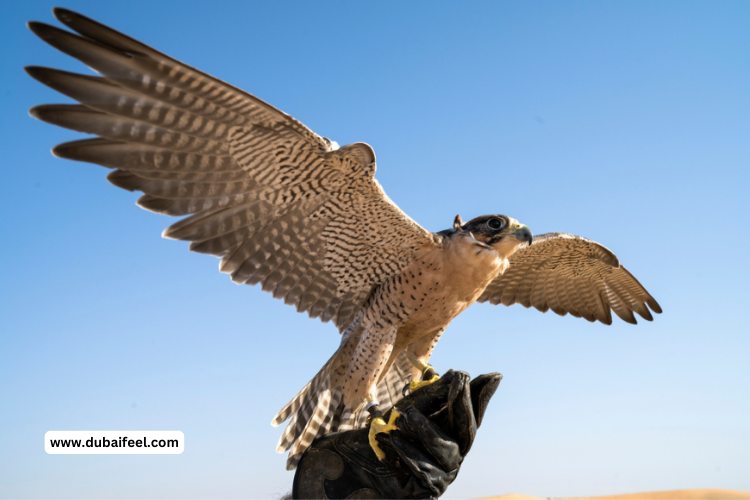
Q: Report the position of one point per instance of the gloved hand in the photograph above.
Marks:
(436, 429)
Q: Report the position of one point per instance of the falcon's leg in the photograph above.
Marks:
(378, 424)
(428, 373)
(419, 353)
(363, 371)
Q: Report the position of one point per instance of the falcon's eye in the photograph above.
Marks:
(495, 223)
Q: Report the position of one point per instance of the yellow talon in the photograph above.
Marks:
(421, 383)
(377, 426)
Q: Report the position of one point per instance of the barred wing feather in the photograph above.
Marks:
(571, 274)
(281, 206)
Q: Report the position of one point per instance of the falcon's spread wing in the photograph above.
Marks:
(280, 205)
(570, 274)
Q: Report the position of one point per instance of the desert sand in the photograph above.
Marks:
(699, 494)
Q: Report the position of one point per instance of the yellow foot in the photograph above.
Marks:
(377, 426)
(421, 383)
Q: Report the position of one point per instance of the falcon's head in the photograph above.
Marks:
(497, 232)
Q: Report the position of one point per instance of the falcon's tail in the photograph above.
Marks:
(319, 407)
(316, 410)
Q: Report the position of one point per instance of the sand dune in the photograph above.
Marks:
(700, 494)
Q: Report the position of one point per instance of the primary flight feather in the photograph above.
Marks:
(290, 210)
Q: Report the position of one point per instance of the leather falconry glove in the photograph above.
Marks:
(434, 433)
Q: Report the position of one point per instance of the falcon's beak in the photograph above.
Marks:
(522, 233)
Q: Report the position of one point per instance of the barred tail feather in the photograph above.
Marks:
(319, 408)
(311, 413)
(318, 425)
(292, 406)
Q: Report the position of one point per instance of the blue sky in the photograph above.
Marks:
(625, 122)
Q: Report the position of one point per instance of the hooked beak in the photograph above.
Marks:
(522, 233)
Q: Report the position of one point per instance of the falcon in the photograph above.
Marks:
(306, 220)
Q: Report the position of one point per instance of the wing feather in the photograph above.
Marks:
(554, 298)
(538, 297)
(280, 205)
(275, 254)
(144, 158)
(570, 274)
